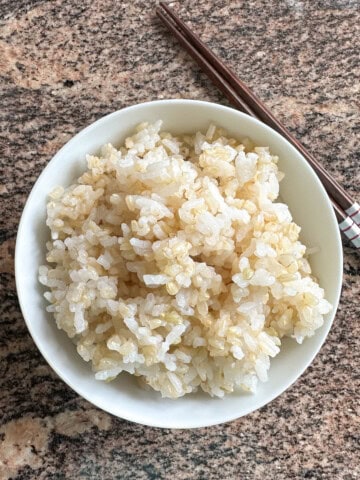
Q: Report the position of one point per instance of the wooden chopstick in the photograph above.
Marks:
(245, 100)
(263, 113)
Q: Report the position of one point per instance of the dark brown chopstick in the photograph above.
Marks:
(260, 110)
(245, 100)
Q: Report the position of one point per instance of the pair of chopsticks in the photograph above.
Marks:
(241, 97)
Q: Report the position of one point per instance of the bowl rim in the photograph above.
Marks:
(137, 418)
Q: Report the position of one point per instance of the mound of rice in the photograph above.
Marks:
(171, 260)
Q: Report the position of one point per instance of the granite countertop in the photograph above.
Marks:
(64, 64)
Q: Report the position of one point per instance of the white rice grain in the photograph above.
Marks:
(171, 260)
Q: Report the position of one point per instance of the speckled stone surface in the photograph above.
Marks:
(63, 64)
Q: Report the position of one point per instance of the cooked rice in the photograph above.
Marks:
(171, 260)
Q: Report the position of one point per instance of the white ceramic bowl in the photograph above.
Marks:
(300, 189)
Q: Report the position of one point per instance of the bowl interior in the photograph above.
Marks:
(300, 189)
